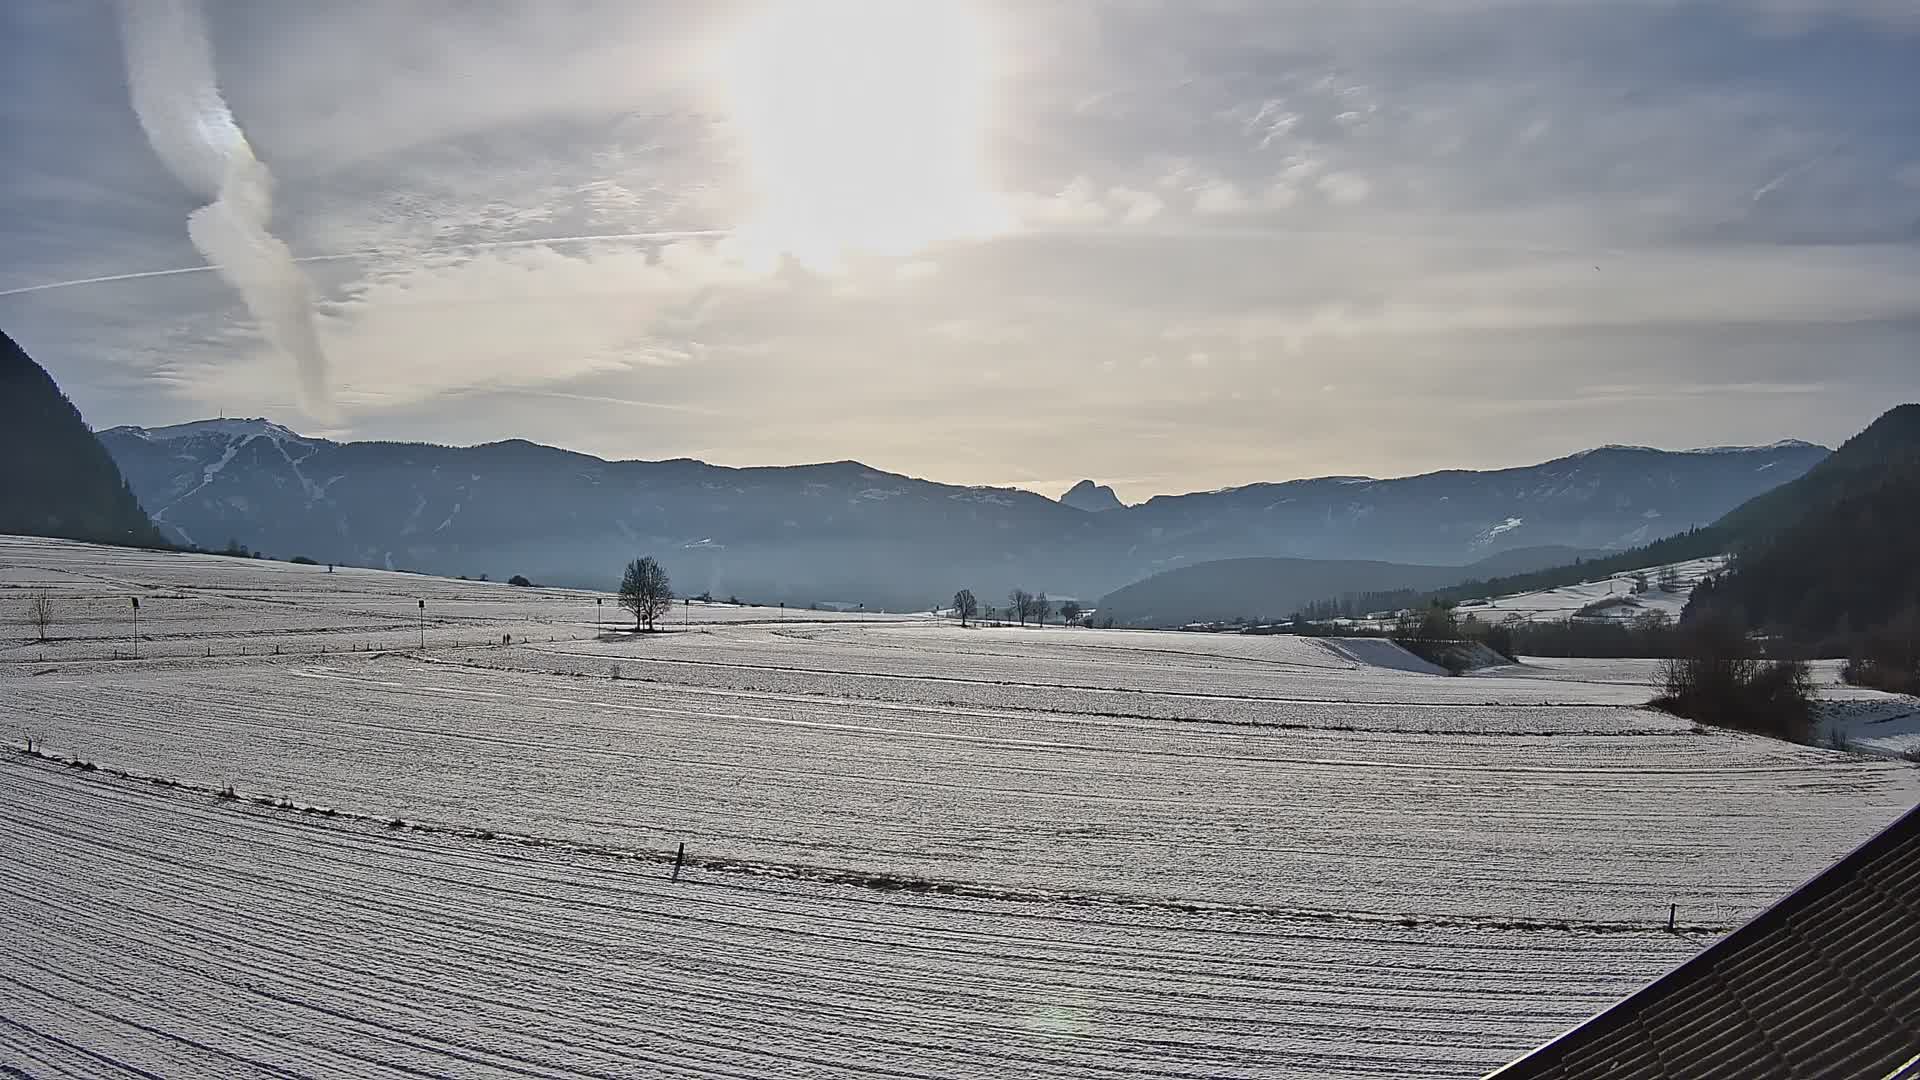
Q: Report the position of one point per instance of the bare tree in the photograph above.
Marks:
(40, 612)
(1040, 609)
(1070, 612)
(965, 606)
(645, 591)
(1020, 605)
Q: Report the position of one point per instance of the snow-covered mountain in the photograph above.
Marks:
(845, 531)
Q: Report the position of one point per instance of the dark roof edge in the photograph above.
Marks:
(1810, 891)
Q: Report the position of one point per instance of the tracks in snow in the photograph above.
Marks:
(341, 948)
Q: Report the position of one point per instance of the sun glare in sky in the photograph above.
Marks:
(863, 125)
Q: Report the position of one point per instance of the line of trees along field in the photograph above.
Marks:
(1021, 607)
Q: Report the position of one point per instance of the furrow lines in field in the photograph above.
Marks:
(224, 920)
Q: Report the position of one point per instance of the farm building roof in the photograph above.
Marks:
(1825, 983)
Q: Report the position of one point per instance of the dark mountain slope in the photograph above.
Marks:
(1837, 553)
(59, 480)
(1859, 467)
(1228, 589)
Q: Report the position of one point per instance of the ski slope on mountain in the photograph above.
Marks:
(910, 849)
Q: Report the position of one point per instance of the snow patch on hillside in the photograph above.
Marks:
(1379, 653)
(1506, 526)
(237, 429)
(1611, 596)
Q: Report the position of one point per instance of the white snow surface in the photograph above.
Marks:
(913, 850)
(239, 429)
(1554, 605)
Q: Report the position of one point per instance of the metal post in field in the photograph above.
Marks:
(423, 626)
(136, 627)
(1673, 912)
(678, 859)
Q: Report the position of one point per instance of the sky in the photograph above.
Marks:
(1168, 245)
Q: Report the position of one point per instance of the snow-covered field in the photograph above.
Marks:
(1614, 594)
(912, 850)
(201, 605)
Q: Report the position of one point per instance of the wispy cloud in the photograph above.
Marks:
(170, 73)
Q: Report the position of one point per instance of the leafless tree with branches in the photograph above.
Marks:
(40, 612)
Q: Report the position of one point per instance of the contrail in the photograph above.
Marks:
(1773, 185)
(170, 75)
(386, 253)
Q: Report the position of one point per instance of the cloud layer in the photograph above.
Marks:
(1192, 244)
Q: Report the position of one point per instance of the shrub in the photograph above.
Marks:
(1887, 658)
(519, 580)
(1719, 680)
(1599, 608)
(303, 561)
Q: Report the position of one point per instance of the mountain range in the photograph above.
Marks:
(846, 531)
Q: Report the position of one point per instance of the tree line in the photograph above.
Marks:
(1021, 605)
